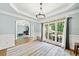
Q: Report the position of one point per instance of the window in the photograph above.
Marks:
(54, 31)
(60, 26)
(52, 26)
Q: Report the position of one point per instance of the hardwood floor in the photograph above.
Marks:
(72, 52)
(37, 48)
(3, 52)
(21, 41)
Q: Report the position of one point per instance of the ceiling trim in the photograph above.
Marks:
(33, 17)
(61, 16)
(21, 12)
(18, 16)
(60, 11)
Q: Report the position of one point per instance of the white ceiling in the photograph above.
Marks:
(33, 8)
(50, 9)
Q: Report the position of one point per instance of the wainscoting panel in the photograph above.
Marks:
(73, 39)
(6, 41)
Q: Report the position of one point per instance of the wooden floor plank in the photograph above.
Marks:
(32, 50)
(19, 49)
(37, 49)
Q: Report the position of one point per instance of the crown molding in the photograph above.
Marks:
(33, 17)
(60, 16)
(38, 21)
(60, 11)
(21, 12)
(49, 15)
(18, 16)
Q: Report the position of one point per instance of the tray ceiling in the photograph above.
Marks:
(31, 9)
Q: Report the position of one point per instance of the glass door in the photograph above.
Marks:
(53, 32)
(60, 27)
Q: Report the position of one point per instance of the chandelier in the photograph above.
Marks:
(40, 15)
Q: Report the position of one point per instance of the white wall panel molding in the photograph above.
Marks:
(7, 40)
(73, 39)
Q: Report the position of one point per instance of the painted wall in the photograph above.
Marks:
(74, 30)
(20, 29)
(74, 22)
(35, 29)
(7, 24)
(8, 30)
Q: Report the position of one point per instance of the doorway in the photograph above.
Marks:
(22, 32)
(53, 32)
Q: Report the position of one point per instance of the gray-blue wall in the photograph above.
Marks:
(7, 24)
(74, 24)
(35, 29)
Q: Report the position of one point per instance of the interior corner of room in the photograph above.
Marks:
(20, 25)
